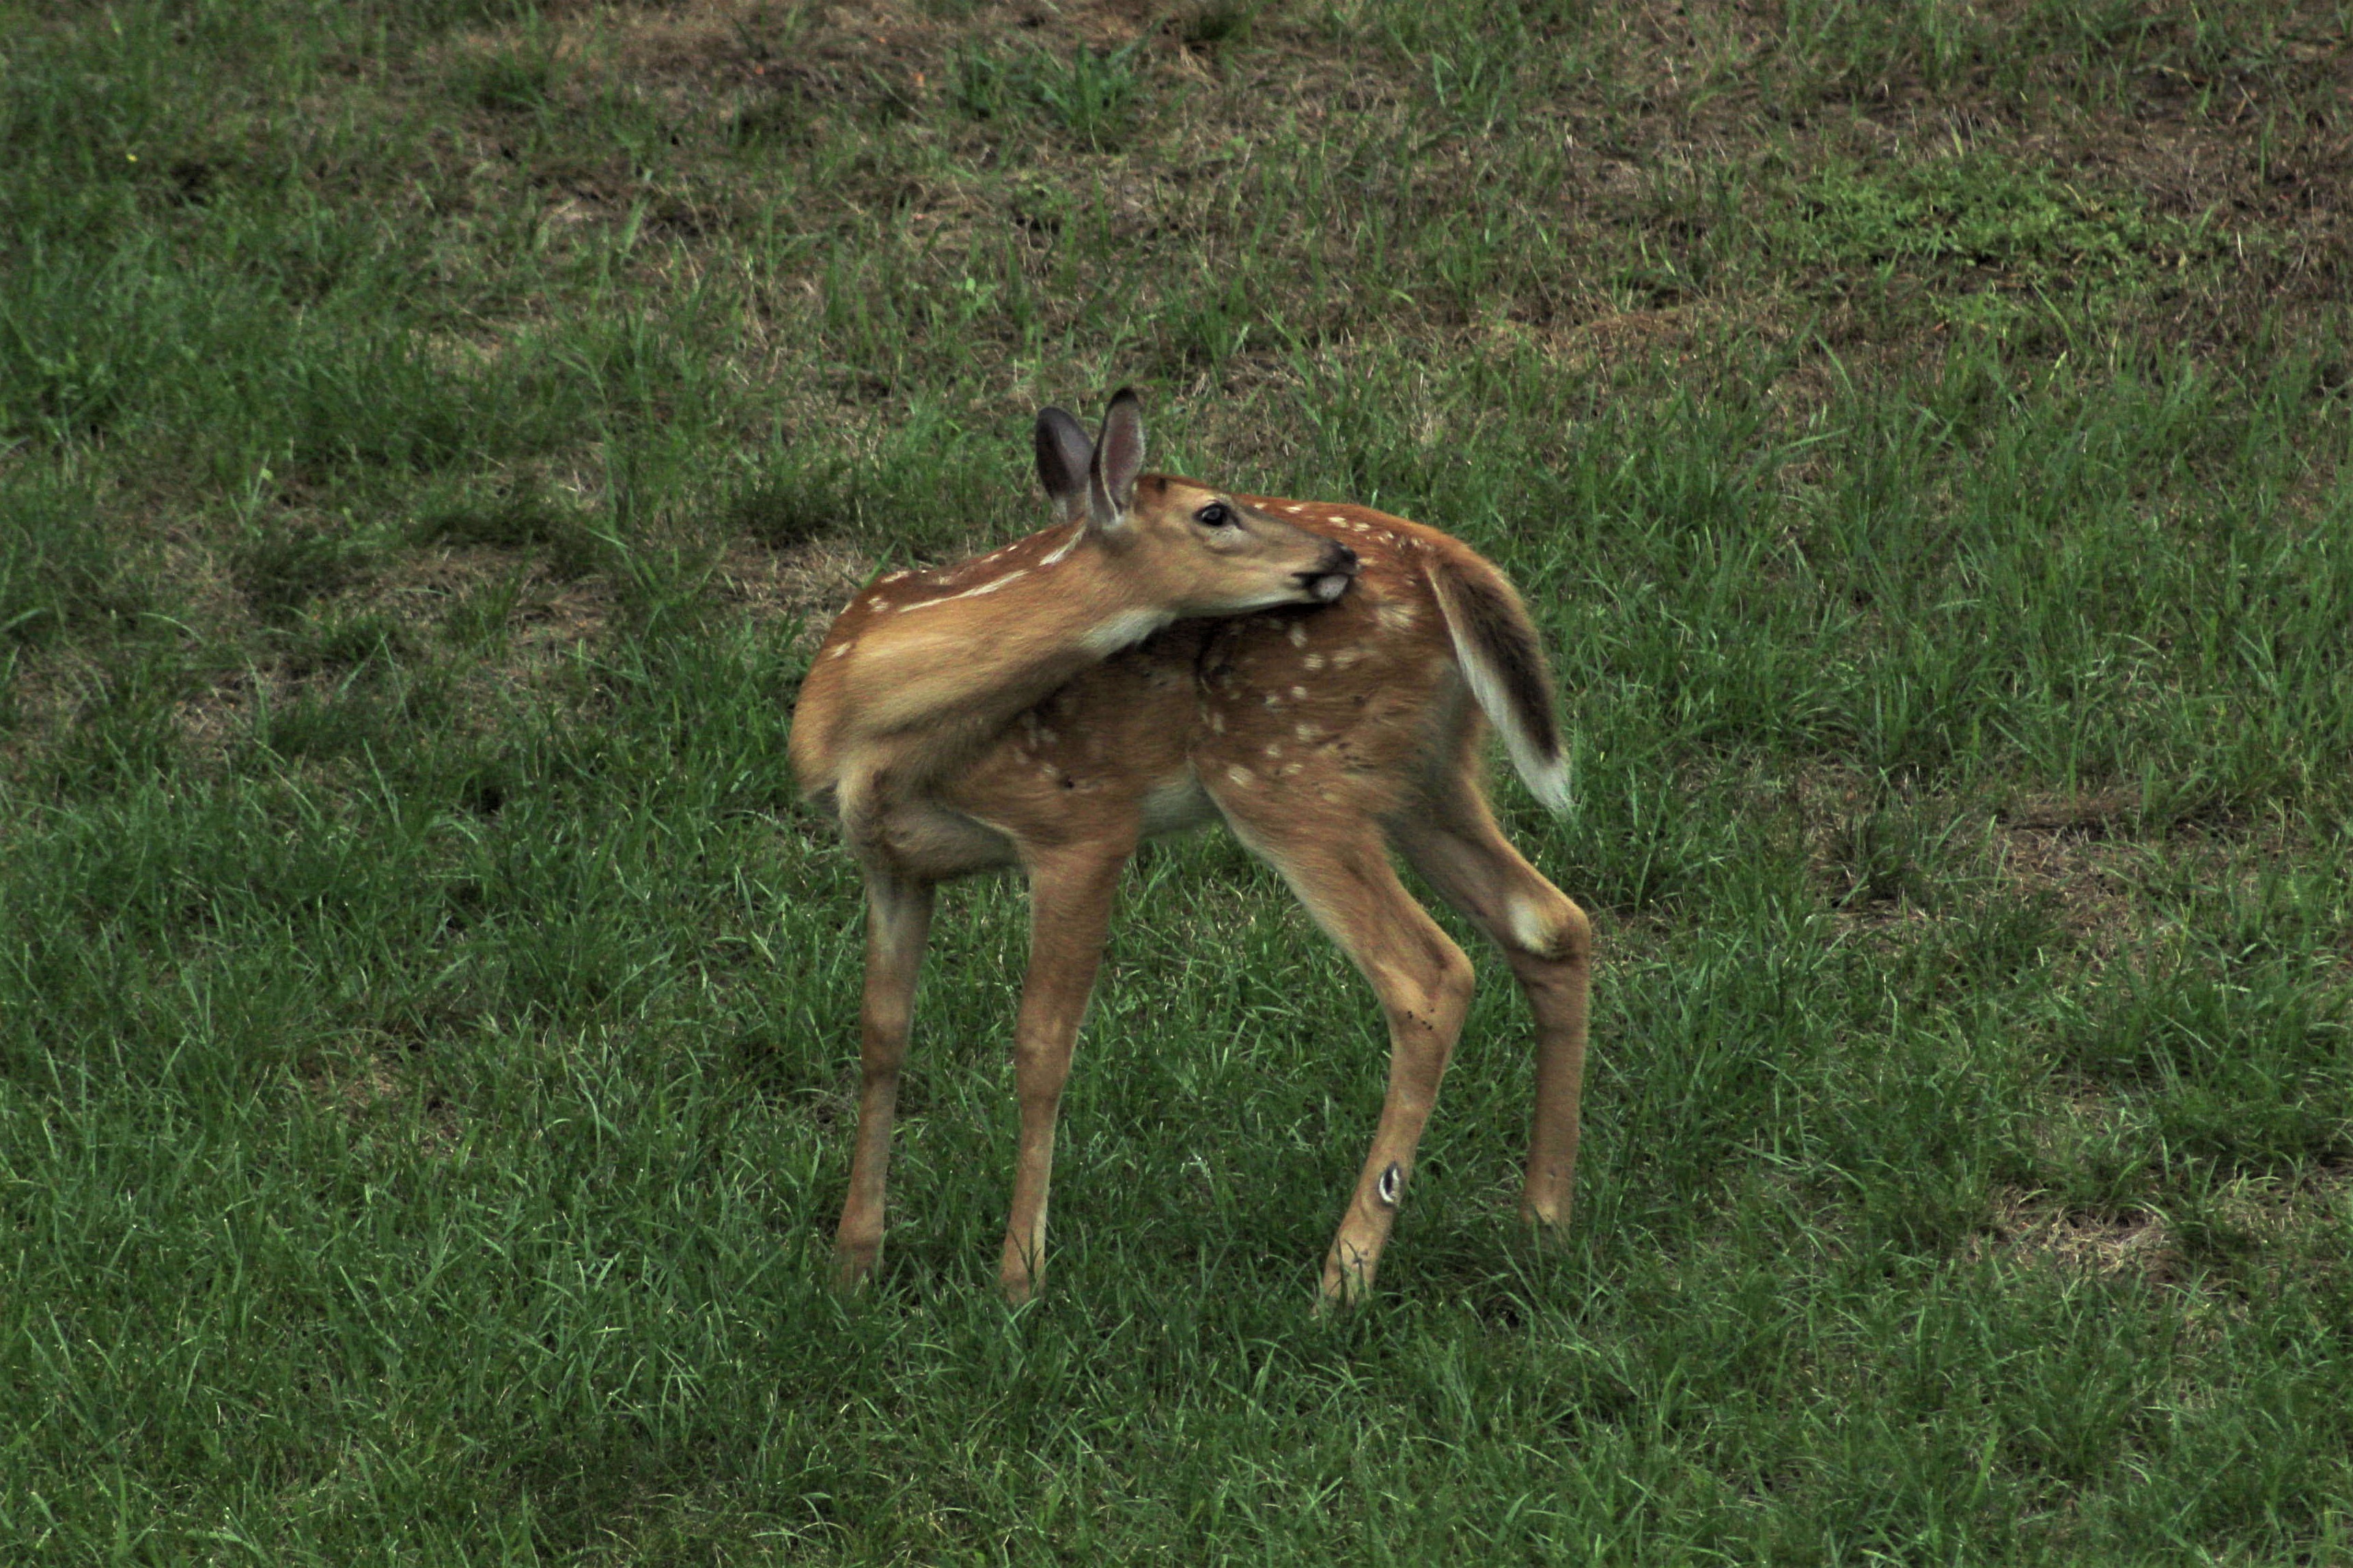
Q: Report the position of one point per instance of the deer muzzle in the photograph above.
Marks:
(1329, 578)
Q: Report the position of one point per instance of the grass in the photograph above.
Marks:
(430, 433)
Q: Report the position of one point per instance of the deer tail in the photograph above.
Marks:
(1503, 658)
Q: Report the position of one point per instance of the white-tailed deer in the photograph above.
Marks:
(1168, 653)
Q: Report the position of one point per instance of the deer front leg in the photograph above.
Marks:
(1070, 909)
(898, 921)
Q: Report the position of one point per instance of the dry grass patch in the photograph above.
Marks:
(2030, 1228)
(811, 582)
(2068, 851)
(369, 1085)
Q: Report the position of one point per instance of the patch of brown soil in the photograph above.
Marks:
(810, 580)
(2063, 853)
(2028, 1226)
(1621, 335)
(369, 1083)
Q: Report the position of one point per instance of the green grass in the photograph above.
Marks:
(429, 433)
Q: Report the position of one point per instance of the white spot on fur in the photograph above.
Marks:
(1298, 634)
(1217, 723)
(1397, 617)
(1063, 548)
(988, 587)
(1346, 657)
(840, 648)
(1239, 774)
(1314, 661)
(1309, 733)
(1299, 694)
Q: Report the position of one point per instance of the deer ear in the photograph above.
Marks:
(1065, 455)
(1118, 460)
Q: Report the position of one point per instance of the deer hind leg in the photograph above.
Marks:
(1548, 942)
(1070, 896)
(1423, 982)
(898, 921)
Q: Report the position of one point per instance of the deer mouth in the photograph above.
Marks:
(1330, 577)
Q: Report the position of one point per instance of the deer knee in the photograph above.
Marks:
(1444, 989)
(886, 1017)
(1547, 925)
(1455, 981)
(1431, 992)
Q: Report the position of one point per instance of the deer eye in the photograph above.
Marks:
(1217, 514)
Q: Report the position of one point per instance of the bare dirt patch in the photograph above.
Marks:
(2073, 854)
(811, 582)
(2135, 1242)
(371, 1084)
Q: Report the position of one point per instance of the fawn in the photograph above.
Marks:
(1320, 675)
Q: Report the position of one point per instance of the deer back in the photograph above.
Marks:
(1359, 705)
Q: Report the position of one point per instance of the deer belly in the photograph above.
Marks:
(1176, 805)
(937, 842)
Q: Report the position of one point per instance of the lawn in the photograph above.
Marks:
(433, 433)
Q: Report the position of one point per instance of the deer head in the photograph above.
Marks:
(1191, 549)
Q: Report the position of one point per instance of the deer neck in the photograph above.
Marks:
(992, 638)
